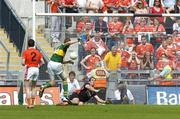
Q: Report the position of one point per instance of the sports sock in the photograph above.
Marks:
(65, 87)
(47, 85)
(28, 101)
(32, 101)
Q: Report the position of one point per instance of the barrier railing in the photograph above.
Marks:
(12, 24)
(8, 56)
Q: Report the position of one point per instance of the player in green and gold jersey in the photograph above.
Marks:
(55, 66)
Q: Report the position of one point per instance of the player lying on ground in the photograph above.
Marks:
(85, 94)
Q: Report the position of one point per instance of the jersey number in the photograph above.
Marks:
(33, 54)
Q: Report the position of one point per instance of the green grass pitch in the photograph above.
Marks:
(91, 112)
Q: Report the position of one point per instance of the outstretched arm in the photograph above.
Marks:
(68, 62)
(71, 42)
(99, 99)
(91, 88)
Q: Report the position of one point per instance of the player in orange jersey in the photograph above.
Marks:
(32, 59)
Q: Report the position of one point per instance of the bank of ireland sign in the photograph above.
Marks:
(163, 95)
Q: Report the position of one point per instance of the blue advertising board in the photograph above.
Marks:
(163, 95)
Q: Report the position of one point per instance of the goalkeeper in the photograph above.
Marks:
(85, 94)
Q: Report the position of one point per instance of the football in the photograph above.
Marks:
(73, 55)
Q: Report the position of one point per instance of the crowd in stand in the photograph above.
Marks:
(124, 43)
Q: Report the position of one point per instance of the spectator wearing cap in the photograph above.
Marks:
(123, 95)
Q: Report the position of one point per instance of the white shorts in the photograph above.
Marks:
(54, 68)
(32, 73)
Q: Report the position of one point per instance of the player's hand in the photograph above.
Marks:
(99, 91)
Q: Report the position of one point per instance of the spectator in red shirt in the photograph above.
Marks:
(156, 27)
(171, 48)
(133, 63)
(70, 7)
(158, 9)
(124, 58)
(164, 67)
(139, 8)
(128, 27)
(124, 6)
(90, 61)
(55, 20)
(163, 62)
(178, 60)
(161, 50)
(144, 47)
(85, 36)
(111, 5)
(102, 49)
(81, 25)
(142, 26)
(115, 28)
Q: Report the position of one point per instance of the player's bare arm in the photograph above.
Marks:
(68, 62)
(91, 88)
(71, 42)
(99, 99)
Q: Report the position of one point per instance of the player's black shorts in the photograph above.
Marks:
(73, 95)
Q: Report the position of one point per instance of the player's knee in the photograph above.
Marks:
(75, 101)
(53, 83)
(80, 103)
(62, 76)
